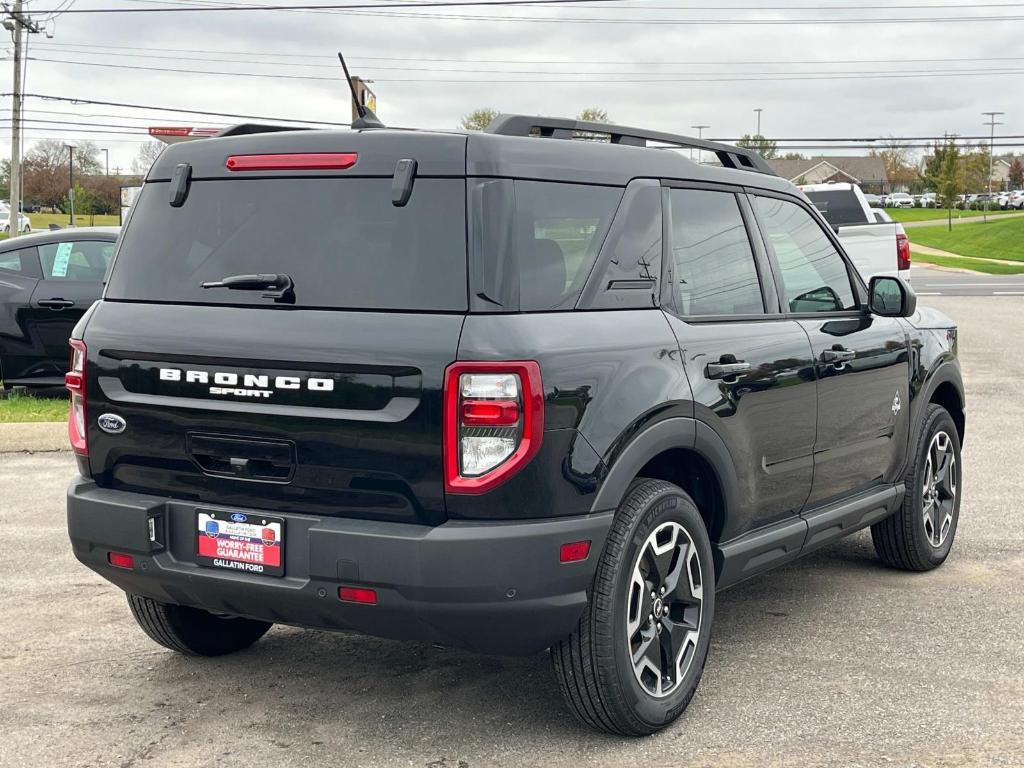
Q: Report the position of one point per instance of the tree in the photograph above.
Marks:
(767, 148)
(594, 115)
(147, 155)
(1016, 174)
(945, 172)
(793, 156)
(976, 170)
(478, 119)
(896, 158)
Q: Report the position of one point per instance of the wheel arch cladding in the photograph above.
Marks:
(949, 397)
(685, 452)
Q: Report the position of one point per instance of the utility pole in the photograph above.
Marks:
(700, 135)
(991, 145)
(17, 23)
(71, 184)
(106, 159)
(759, 110)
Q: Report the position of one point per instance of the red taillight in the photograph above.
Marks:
(316, 161)
(357, 595)
(574, 552)
(74, 381)
(121, 560)
(493, 422)
(902, 252)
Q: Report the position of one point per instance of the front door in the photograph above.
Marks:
(861, 360)
(749, 367)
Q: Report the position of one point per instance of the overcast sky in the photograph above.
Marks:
(596, 61)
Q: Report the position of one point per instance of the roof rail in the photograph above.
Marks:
(244, 129)
(563, 128)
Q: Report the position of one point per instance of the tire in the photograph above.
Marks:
(916, 539)
(594, 665)
(192, 631)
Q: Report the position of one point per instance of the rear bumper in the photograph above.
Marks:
(495, 587)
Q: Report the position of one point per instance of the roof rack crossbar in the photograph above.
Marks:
(564, 128)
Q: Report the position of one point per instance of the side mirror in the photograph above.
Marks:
(891, 297)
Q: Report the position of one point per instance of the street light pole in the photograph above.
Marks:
(700, 135)
(106, 160)
(991, 146)
(759, 110)
(71, 184)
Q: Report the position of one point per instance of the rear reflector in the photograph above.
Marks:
(337, 161)
(120, 560)
(358, 595)
(574, 552)
(490, 413)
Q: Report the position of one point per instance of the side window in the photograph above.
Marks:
(76, 260)
(713, 265)
(22, 262)
(814, 275)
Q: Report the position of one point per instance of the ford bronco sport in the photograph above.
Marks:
(505, 391)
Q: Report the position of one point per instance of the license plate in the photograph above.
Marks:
(247, 543)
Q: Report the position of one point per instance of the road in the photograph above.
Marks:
(833, 661)
(930, 282)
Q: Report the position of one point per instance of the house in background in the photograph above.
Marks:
(867, 172)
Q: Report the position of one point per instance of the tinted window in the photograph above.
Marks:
(78, 260)
(713, 265)
(839, 207)
(534, 242)
(631, 254)
(341, 240)
(814, 275)
(22, 261)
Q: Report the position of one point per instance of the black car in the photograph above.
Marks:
(47, 281)
(503, 390)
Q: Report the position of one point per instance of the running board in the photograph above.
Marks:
(782, 542)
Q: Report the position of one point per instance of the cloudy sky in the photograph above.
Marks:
(665, 64)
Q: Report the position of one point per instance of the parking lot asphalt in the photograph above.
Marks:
(929, 282)
(831, 661)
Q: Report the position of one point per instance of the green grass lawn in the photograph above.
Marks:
(928, 214)
(975, 265)
(42, 221)
(18, 408)
(995, 240)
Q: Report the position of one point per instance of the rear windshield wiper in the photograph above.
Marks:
(277, 287)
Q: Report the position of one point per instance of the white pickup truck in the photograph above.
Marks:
(876, 244)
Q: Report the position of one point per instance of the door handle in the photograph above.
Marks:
(838, 354)
(56, 304)
(726, 368)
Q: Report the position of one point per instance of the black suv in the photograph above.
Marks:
(502, 390)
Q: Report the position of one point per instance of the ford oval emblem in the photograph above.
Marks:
(112, 423)
(238, 517)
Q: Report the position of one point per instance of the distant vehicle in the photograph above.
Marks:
(874, 242)
(899, 200)
(1016, 199)
(929, 200)
(47, 281)
(874, 201)
(24, 225)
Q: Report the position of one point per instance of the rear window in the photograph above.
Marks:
(342, 241)
(840, 207)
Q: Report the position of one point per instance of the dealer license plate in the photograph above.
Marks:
(247, 543)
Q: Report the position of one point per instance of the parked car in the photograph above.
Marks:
(929, 200)
(1016, 199)
(47, 281)
(874, 242)
(899, 200)
(24, 225)
(499, 392)
(874, 201)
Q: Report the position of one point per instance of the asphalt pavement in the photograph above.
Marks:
(929, 282)
(832, 661)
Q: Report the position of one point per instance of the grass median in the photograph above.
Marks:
(17, 408)
(995, 240)
(974, 265)
(939, 214)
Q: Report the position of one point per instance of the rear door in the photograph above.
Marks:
(326, 402)
(73, 272)
(749, 367)
(862, 360)
(20, 355)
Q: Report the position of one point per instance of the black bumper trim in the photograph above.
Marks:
(492, 587)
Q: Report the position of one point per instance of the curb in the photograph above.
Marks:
(34, 437)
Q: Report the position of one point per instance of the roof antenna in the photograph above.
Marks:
(366, 117)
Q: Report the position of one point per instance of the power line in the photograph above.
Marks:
(74, 100)
(315, 7)
(627, 78)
